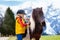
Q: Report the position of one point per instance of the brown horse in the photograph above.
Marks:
(37, 22)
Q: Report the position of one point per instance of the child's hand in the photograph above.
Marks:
(28, 23)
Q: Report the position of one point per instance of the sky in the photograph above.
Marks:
(22, 4)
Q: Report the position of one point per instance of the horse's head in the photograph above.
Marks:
(37, 14)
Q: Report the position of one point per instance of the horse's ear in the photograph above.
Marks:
(33, 9)
(41, 8)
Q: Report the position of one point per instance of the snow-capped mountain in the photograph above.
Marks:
(52, 17)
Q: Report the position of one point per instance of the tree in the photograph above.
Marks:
(9, 23)
(1, 21)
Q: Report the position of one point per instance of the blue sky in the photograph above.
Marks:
(11, 3)
(15, 2)
(20, 2)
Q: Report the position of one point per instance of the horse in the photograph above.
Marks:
(37, 22)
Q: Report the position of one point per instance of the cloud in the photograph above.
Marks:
(31, 3)
(56, 4)
(3, 9)
(23, 6)
(27, 4)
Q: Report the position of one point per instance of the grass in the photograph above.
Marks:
(49, 37)
(12, 38)
(54, 37)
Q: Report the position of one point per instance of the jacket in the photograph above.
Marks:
(20, 26)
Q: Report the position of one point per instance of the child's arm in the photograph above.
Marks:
(21, 22)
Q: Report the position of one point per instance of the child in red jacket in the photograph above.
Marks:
(20, 28)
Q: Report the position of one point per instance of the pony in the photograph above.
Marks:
(37, 22)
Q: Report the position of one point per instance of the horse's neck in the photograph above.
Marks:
(32, 25)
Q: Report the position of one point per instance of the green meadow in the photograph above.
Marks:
(49, 37)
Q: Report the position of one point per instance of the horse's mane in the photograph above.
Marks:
(37, 14)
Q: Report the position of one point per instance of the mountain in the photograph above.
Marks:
(52, 18)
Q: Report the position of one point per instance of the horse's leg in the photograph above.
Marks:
(30, 33)
(37, 37)
(30, 38)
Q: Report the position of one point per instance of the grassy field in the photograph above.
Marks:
(55, 37)
(50, 37)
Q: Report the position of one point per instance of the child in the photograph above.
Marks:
(20, 24)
